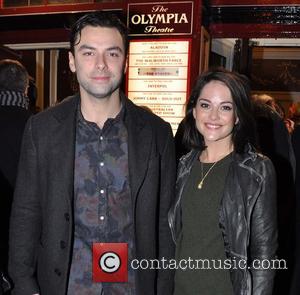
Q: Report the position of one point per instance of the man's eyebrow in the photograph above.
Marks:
(85, 46)
(90, 47)
(115, 48)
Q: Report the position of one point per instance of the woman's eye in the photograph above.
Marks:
(226, 108)
(204, 105)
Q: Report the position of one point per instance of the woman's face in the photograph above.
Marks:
(214, 113)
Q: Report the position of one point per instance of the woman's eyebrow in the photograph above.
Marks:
(205, 99)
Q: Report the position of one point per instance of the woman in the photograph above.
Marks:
(224, 216)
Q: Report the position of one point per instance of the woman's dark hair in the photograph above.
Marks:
(98, 19)
(244, 130)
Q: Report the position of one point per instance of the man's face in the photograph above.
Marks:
(99, 62)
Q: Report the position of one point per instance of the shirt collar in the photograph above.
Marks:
(119, 117)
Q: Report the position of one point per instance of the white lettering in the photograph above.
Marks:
(153, 29)
(159, 8)
(145, 19)
(183, 19)
(136, 19)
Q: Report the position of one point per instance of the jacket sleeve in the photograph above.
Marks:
(167, 188)
(263, 236)
(25, 219)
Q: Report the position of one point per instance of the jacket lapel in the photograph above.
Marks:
(63, 147)
(140, 139)
(248, 179)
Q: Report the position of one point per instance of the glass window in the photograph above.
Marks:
(35, 2)
(15, 3)
(69, 1)
(26, 3)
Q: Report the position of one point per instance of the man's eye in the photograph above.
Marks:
(113, 54)
(88, 53)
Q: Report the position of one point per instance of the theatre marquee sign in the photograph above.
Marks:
(160, 18)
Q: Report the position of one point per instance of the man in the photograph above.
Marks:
(14, 113)
(95, 168)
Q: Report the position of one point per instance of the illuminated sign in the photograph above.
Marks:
(158, 77)
(160, 18)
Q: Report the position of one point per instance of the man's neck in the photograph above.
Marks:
(98, 110)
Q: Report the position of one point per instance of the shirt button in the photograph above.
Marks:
(101, 137)
(62, 244)
(57, 271)
(101, 164)
(101, 218)
(102, 191)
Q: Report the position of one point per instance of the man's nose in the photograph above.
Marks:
(100, 63)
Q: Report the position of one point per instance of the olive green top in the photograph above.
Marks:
(201, 237)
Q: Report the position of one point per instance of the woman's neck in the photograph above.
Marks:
(214, 153)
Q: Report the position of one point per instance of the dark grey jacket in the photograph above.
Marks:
(42, 228)
(247, 217)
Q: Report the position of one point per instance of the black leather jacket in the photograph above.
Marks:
(247, 218)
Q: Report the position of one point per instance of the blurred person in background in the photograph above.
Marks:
(14, 113)
(274, 141)
(295, 114)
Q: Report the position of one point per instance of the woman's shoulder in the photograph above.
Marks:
(255, 160)
(188, 158)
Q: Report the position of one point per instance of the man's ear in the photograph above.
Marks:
(72, 62)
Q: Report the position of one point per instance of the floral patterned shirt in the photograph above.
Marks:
(102, 201)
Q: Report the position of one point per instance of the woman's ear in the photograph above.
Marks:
(236, 120)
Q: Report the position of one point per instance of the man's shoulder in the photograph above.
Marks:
(59, 111)
(145, 114)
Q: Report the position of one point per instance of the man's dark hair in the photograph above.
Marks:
(98, 19)
(244, 130)
(13, 76)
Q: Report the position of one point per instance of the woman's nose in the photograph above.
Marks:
(214, 113)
